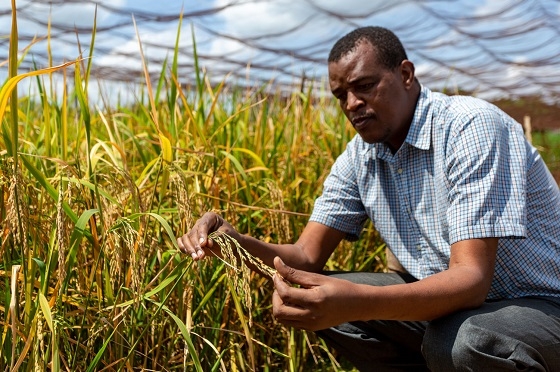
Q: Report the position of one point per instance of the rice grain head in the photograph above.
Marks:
(278, 220)
(181, 196)
(39, 348)
(61, 234)
(236, 259)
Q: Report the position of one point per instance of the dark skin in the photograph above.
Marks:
(380, 103)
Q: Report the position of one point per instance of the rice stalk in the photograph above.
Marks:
(122, 238)
(15, 213)
(237, 259)
(39, 349)
(62, 234)
(181, 197)
(278, 220)
(14, 311)
(138, 259)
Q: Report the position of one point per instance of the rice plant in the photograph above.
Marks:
(91, 202)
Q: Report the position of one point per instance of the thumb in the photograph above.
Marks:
(295, 276)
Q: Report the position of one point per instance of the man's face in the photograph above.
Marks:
(375, 99)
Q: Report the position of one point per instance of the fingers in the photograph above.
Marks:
(303, 278)
(189, 245)
(289, 314)
(291, 303)
(292, 296)
(194, 242)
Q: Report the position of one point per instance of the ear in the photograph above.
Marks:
(407, 73)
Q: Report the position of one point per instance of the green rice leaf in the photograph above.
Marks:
(163, 224)
(186, 336)
(39, 177)
(75, 239)
(45, 308)
(93, 365)
(42, 271)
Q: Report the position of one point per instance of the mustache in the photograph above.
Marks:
(361, 117)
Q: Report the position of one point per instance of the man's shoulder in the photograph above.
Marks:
(455, 113)
(454, 101)
(461, 105)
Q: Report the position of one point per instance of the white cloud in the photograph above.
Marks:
(485, 7)
(33, 16)
(66, 14)
(247, 19)
(357, 8)
(255, 18)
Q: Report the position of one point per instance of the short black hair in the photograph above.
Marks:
(390, 51)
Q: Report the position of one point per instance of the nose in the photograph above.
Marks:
(353, 102)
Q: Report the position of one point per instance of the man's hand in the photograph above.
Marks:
(320, 302)
(196, 241)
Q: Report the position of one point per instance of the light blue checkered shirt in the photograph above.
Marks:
(465, 171)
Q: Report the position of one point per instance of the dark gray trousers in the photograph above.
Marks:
(508, 335)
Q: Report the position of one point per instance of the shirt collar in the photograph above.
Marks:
(420, 132)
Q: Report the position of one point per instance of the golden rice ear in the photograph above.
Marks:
(236, 258)
(225, 242)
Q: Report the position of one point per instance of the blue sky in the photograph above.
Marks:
(436, 33)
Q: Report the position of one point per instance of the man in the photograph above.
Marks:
(463, 201)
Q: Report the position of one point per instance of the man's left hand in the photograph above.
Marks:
(320, 301)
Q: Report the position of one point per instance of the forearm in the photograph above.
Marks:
(292, 253)
(310, 252)
(314, 301)
(438, 295)
(465, 284)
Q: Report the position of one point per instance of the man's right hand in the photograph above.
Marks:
(196, 241)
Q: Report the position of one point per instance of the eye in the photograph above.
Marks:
(364, 87)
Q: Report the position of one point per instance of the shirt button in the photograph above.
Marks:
(419, 247)
(399, 171)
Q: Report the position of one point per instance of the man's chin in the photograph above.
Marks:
(368, 138)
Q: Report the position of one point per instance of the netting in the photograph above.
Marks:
(493, 48)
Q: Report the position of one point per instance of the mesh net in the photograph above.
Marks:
(503, 48)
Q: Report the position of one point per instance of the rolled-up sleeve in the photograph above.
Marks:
(340, 205)
(486, 175)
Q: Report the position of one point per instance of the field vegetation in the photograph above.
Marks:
(92, 200)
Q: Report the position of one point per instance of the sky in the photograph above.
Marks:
(494, 48)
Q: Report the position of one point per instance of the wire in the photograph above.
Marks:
(505, 49)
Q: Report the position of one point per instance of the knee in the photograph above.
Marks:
(448, 346)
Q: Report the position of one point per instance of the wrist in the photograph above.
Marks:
(362, 297)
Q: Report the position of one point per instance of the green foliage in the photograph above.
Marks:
(92, 201)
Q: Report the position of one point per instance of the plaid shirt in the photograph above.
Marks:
(464, 171)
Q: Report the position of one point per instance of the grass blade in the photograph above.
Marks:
(45, 308)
